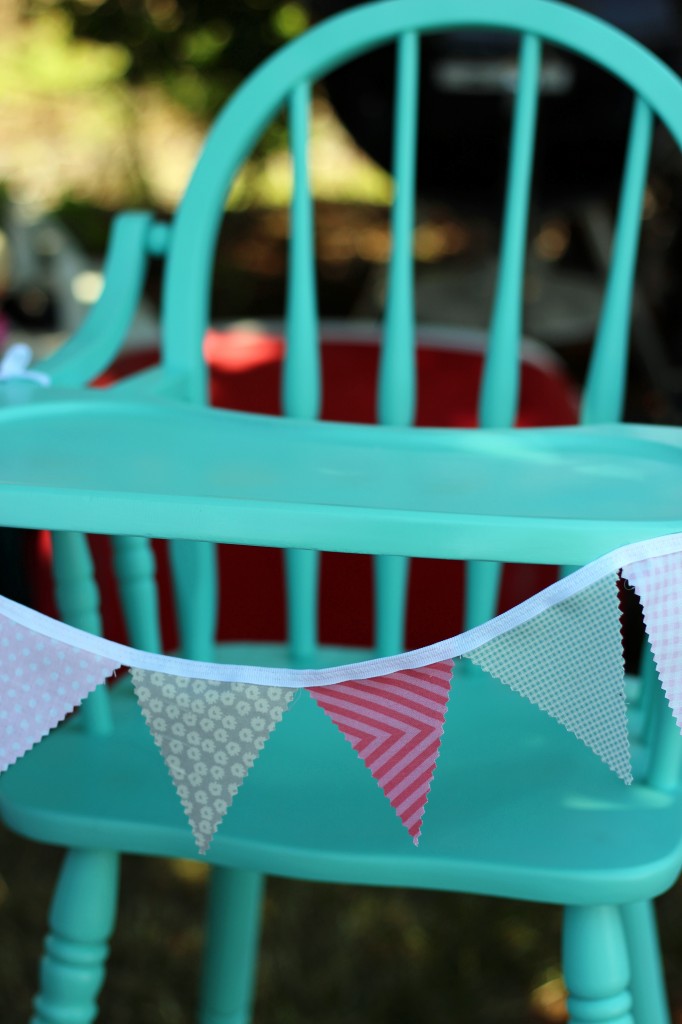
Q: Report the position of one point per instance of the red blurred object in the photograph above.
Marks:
(245, 374)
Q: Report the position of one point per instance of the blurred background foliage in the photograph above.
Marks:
(106, 102)
(199, 52)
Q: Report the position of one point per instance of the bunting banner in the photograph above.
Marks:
(41, 682)
(569, 661)
(657, 585)
(209, 734)
(395, 724)
(561, 649)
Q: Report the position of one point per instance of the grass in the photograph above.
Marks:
(330, 954)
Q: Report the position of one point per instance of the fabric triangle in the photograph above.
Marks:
(657, 585)
(395, 724)
(568, 660)
(209, 734)
(41, 682)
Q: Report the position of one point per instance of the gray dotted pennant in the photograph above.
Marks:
(569, 661)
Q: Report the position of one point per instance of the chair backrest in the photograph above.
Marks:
(285, 81)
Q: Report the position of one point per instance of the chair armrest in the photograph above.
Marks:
(152, 382)
(93, 347)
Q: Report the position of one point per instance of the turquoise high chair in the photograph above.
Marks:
(518, 807)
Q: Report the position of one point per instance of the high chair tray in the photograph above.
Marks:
(100, 464)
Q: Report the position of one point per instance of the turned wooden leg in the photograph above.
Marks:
(195, 587)
(596, 966)
(231, 951)
(81, 920)
(649, 996)
(135, 567)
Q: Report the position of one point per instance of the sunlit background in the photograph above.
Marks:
(104, 106)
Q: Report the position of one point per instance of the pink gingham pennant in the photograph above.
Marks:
(41, 681)
(657, 585)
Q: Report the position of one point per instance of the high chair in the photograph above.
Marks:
(518, 807)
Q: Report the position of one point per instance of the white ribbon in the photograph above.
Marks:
(15, 363)
(453, 647)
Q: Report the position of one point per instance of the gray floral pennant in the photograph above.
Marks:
(210, 734)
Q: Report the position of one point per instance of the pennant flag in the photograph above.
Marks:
(569, 661)
(209, 734)
(658, 585)
(41, 681)
(395, 724)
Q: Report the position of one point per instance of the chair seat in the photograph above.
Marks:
(452, 493)
(518, 806)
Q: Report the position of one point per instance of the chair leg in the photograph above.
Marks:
(231, 950)
(81, 920)
(596, 967)
(648, 982)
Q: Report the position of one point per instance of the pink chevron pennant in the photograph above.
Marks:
(658, 585)
(41, 682)
(395, 724)
(568, 660)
